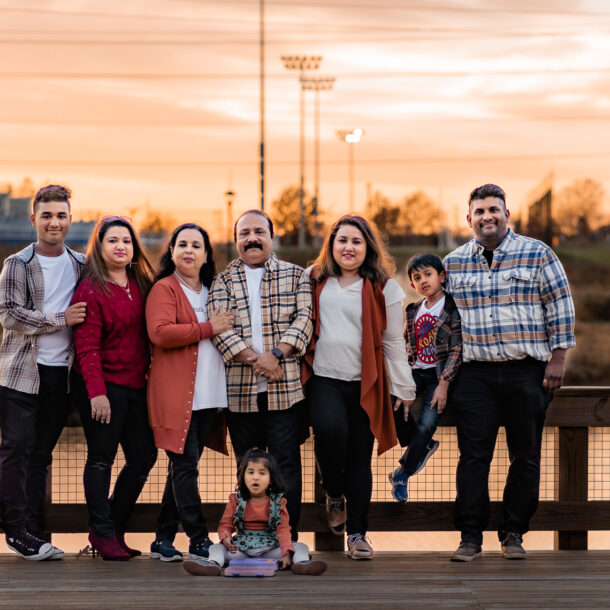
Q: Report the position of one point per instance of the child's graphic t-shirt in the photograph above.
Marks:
(425, 334)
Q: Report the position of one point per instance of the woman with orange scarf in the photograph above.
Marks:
(357, 359)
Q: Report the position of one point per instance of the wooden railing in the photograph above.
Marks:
(573, 411)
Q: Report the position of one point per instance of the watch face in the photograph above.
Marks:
(277, 352)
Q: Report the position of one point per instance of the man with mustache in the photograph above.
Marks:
(517, 324)
(271, 303)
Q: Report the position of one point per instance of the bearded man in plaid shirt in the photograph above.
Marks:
(517, 324)
(271, 303)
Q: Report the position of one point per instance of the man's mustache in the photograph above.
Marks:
(253, 244)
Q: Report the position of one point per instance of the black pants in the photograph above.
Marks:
(280, 433)
(181, 502)
(31, 426)
(487, 395)
(343, 445)
(128, 427)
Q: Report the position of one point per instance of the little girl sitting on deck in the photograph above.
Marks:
(255, 523)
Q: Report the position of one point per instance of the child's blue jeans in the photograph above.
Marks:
(417, 434)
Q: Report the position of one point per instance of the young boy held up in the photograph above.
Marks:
(434, 345)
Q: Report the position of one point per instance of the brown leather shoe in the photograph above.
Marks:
(336, 514)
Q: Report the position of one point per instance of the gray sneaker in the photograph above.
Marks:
(467, 551)
(512, 547)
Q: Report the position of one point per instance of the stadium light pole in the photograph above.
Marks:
(351, 137)
(317, 84)
(301, 63)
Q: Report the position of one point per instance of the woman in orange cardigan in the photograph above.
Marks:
(186, 386)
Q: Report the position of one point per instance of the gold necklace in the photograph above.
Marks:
(183, 281)
(126, 288)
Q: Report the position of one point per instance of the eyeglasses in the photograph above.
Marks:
(106, 219)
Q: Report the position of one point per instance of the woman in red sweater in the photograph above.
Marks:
(186, 389)
(112, 358)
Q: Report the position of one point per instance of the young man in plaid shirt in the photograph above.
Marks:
(36, 286)
(271, 303)
(517, 324)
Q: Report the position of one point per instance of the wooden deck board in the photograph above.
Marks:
(568, 579)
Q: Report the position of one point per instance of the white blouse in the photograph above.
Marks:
(338, 352)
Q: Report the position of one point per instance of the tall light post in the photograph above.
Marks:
(317, 84)
(302, 63)
(351, 137)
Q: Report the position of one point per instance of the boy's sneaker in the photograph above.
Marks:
(432, 447)
(398, 480)
(512, 547)
(467, 551)
(313, 567)
(199, 566)
(56, 554)
(165, 551)
(29, 547)
(200, 549)
(358, 547)
(336, 515)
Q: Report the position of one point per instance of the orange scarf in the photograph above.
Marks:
(374, 386)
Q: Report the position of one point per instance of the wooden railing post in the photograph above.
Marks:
(573, 449)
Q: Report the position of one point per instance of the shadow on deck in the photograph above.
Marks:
(548, 579)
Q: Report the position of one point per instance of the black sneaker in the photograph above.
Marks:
(29, 547)
(56, 554)
(512, 547)
(201, 549)
(467, 551)
(165, 551)
(432, 447)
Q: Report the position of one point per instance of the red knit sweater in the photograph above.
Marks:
(111, 344)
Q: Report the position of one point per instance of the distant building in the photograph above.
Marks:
(16, 228)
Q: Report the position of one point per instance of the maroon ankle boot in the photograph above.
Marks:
(108, 548)
(120, 538)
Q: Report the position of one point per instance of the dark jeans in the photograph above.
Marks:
(128, 427)
(416, 434)
(181, 502)
(343, 445)
(280, 432)
(485, 396)
(31, 426)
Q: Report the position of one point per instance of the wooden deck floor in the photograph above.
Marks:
(560, 579)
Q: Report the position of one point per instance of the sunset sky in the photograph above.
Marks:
(158, 100)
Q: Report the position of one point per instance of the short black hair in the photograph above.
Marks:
(253, 211)
(423, 259)
(487, 190)
(256, 455)
(51, 192)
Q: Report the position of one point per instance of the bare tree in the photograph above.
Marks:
(579, 207)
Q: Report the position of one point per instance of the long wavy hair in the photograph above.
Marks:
(167, 265)
(377, 266)
(140, 270)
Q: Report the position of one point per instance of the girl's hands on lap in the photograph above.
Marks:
(100, 409)
(229, 545)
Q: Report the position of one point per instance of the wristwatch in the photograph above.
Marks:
(277, 352)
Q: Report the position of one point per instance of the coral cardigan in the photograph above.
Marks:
(175, 334)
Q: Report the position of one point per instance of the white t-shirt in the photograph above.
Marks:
(59, 282)
(338, 352)
(210, 387)
(254, 278)
(425, 335)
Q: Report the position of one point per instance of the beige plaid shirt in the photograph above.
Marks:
(286, 316)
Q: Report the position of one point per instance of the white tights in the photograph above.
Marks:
(221, 555)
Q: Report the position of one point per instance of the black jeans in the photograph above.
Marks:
(343, 445)
(31, 426)
(485, 396)
(417, 433)
(128, 427)
(181, 502)
(280, 433)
